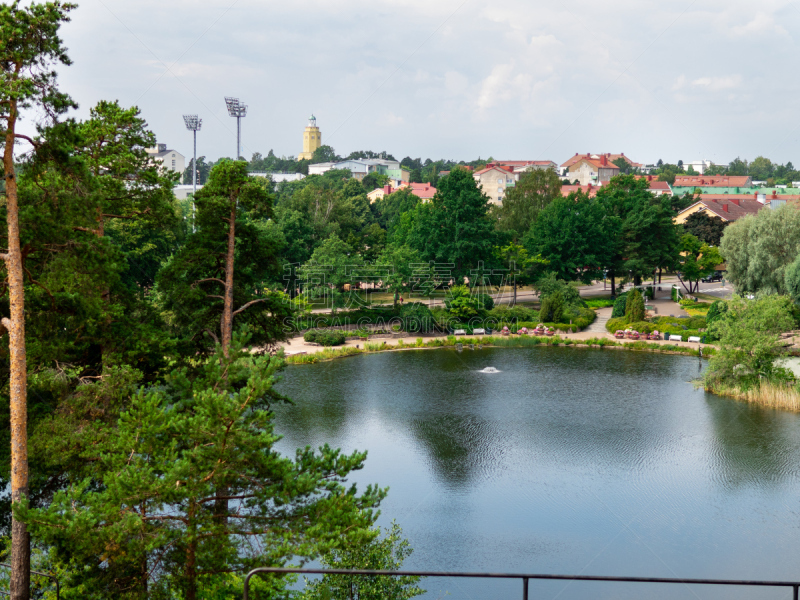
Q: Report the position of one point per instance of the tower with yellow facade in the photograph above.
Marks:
(312, 139)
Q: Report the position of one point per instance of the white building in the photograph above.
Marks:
(171, 159)
(278, 177)
(701, 166)
(361, 167)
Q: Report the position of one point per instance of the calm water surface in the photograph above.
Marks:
(566, 461)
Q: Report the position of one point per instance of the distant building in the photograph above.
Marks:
(423, 191)
(171, 159)
(610, 158)
(728, 208)
(278, 177)
(361, 167)
(701, 166)
(659, 188)
(589, 189)
(312, 139)
(520, 166)
(495, 181)
(587, 169)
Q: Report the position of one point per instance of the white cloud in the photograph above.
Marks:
(762, 24)
(716, 84)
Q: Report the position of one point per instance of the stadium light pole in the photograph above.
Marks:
(193, 124)
(238, 110)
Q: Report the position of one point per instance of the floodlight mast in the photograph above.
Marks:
(238, 110)
(193, 124)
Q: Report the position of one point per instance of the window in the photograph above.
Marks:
(499, 191)
(173, 162)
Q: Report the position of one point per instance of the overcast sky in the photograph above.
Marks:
(517, 79)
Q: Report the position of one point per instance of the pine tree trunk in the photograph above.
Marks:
(190, 568)
(227, 310)
(20, 539)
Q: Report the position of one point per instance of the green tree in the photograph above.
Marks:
(374, 180)
(400, 262)
(534, 191)
(152, 497)
(332, 266)
(575, 236)
(749, 341)
(697, 260)
(378, 554)
(522, 268)
(454, 228)
(738, 167)
(203, 169)
(625, 167)
(325, 154)
(758, 249)
(634, 306)
(707, 229)
(31, 48)
(761, 168)
(223, 271)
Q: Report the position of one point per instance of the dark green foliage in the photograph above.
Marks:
(549, 285)
(523, 203)
(575, 236)
(385, 553)
(717, 311)
(416, 317)
(620, 304)
(634, 306)
(324, 337)
(792, 279)
(707, 229)
(147, 492)
(552, 309)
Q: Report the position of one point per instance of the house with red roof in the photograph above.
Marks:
(610, 157)
(659, 188)
(728, 207)
(589, 189)
(520, 166)
(423, 191)
(495, 181)
(593, 169)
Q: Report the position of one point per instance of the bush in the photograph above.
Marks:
(552, 309)
(717, 311)
(599, 302)
(619, 306)
(417, 317)
(675, 294)
(634, 306)
(324, 337)
(511, 314)
(549, 285)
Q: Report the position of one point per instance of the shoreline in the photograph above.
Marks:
(325, 354)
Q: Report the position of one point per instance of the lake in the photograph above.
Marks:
(567, 460)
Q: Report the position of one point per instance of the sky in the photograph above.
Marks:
(454, 79)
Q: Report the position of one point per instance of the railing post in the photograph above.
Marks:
(524, 588)
(795, 588)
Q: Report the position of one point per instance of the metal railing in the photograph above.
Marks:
(795, 585)
(48, 575)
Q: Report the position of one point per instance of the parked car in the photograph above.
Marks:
(716, 276)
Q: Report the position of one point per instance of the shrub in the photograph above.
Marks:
(510, 314)
(599, 302)
(717, 311)
(634, 306)
(324, 337)
(417, 318)
(619, 306)
(549, 285)
(552, 309)
(675, 294)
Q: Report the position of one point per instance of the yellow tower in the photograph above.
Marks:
(312, 139)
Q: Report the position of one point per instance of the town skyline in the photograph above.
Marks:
(409, 79)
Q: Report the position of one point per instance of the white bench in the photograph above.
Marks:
(694, 339)
(674, 338)
(478, 332)
(460, 332)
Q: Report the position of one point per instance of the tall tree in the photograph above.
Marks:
(535, 189)
(224, 271)
(454, 228)
(576, 236)
(30, 47)
(697, 260)
(707, 229)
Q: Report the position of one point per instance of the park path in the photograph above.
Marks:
(599, 325)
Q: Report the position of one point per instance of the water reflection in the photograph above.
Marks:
(567, 460)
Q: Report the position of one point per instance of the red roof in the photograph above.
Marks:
(655, 184)
(712, 181)
(727, 207)
(421, 190)
(521, 163)
(493, 167)
(610, 157)
(590, 189)
(598, 163)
